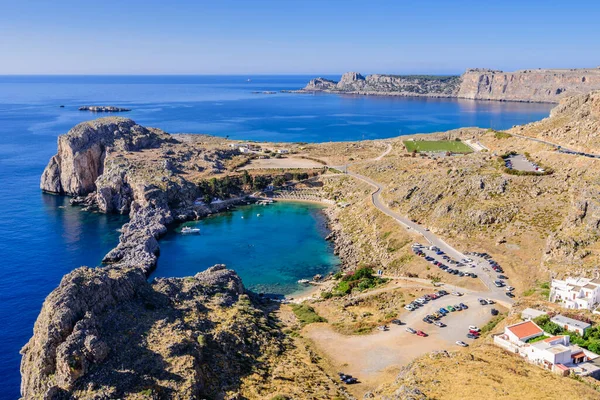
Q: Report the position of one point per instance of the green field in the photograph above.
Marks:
(436, 146)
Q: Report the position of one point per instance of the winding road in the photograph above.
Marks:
(433, 239)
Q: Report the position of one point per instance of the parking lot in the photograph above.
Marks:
(475, 265)
(367, 357)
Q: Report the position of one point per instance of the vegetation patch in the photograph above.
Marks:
(361, 279)
(452, 146)
(590, 340)
(306, 314)
(493, 323)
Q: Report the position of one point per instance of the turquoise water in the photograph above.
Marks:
(270, 251)
(42, 241)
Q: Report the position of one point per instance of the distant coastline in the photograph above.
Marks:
(532, 86)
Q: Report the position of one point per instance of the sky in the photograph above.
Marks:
(295, 37)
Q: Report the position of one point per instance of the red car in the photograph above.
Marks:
(473, 332)
(433, 296)
(421, 333)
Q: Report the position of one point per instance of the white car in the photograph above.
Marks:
(438, 323)
(411, 330)
(461, 343)
(409, 307)
(490, 301)
(510, 288)
(455, 293)
(421, 300)
(474, 328)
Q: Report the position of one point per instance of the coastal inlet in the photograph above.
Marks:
(271, 247)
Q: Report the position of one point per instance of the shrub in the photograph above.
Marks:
(326, 295)
(306, 314)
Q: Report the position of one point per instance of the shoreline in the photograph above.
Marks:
(415, 95)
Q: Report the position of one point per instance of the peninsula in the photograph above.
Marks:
(108, 332)
(531, 85)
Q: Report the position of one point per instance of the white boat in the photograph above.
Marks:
(187, 229)
(258, 215)
(303, 281)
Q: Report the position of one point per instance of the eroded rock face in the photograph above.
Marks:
(108, 333)
(81, 153)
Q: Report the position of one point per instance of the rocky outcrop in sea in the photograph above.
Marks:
(103, 109)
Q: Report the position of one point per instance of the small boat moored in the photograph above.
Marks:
(303, 281)
(187, 229)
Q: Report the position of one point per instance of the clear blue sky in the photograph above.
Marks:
(286, 36)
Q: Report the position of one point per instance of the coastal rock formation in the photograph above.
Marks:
(542, 85)
(108, 333)
(81, 152)
(537, 85)
(103, 109)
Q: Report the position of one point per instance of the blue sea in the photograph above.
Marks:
(44, 238)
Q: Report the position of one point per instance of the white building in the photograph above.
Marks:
(283, 151)
(576, 293)
(570, 324)
(554, 353)
(531, 313)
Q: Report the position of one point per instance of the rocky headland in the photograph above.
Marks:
(103, 109)
(535, 85)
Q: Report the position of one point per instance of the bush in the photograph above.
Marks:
(326, 295)
(361, 279)
(306, 314)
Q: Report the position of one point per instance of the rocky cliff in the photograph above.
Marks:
(108, 333)
(81, 153)
(542, 85)
(538, 85)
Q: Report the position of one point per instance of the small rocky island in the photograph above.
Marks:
(110, 109)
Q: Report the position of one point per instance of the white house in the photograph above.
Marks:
(576, 293)
(522, 332)
(570, 324)
(531, 313)
(554, 353)
(283, 151)
(550, 352)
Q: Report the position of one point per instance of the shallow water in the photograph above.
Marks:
(270, 247)
(42, 242)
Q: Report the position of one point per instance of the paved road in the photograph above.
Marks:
(559, 147)
(485, 276)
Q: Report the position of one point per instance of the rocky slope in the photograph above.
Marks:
(542, 85)
(108, 333)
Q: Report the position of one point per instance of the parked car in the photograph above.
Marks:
(421, 333)
(498, 283)
(440, 324)
(396, 322)
(460, 273)
(471, 336)
(490, 301)
(502, 277)
(474, 333)
(483, 302)
(464, 306)
(457, 307)
(455, 293)
(427, 320)
(510, 294)
(383, 328)
(494, 311)
(474, 328)
(461, 343)
(450, 308)
(443, 311)
(410, 330)
(510, 288)
(473, 275)
(350, 381)
(409, 307)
